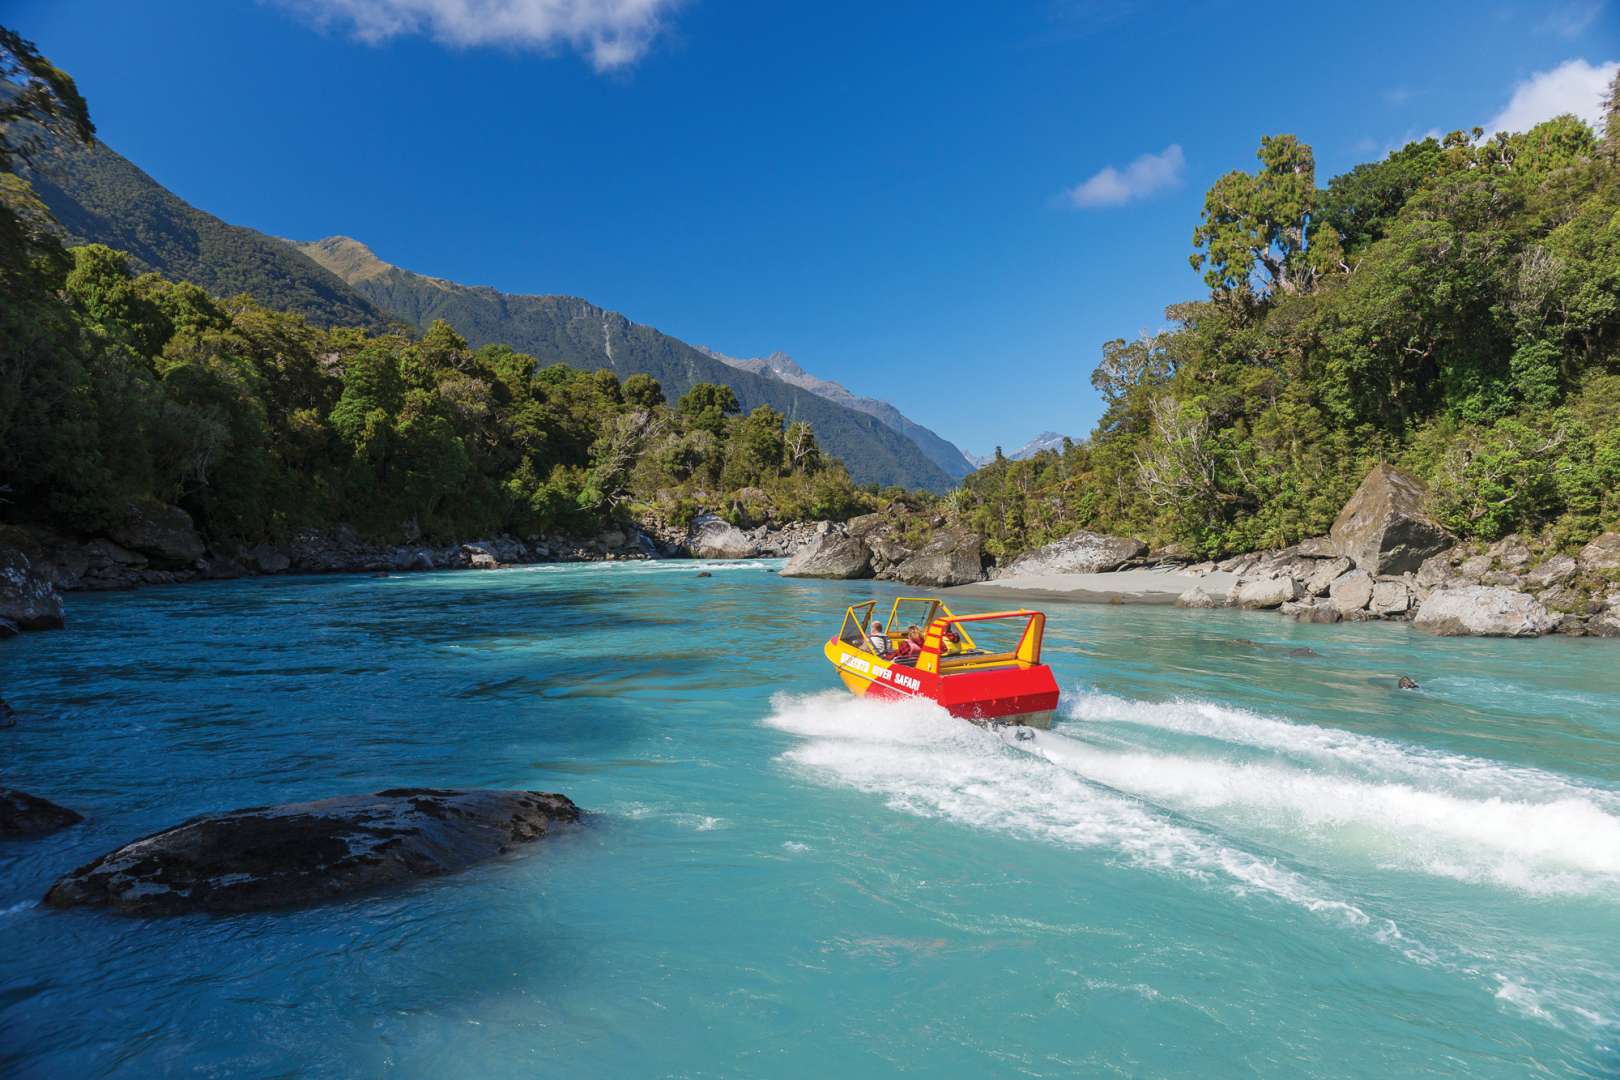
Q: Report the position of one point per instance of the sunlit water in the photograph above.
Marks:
(1225, 859)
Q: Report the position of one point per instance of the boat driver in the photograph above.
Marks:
(875, 637)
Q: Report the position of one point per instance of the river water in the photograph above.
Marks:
(1227, 859)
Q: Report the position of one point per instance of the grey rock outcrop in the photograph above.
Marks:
(1082, 552)
(1351, 592)
(1384, 527)
(164, 534)
(1390, 598)
(1267, 592)
(1603, 553)
(1202, 596)
(28, 597)
(1326, 571)
(1555, 571)
(22, 814)
(951, 557)
(712, 537)
(1484, 610)
(831, 555)
(301, 853)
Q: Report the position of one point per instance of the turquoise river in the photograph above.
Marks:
(1229, 858)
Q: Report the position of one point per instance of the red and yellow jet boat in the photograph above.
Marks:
(984, 668)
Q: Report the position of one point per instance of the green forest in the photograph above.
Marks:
(1453, 308)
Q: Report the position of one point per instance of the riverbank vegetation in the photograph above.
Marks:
(1454, 308)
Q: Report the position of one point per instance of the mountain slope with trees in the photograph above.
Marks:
(572, 331)
(98, 196)
(124, 392)
(779, 365)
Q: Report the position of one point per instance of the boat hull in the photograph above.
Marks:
(1014, 694)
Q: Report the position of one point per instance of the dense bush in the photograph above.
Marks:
(1454, 308)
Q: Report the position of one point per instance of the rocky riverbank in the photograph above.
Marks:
(160, 545)
(1384, 558)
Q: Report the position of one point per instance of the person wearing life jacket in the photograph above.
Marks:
(876, 639)
(910, 646)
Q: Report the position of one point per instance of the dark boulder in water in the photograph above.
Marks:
(302, 853)
(22, 814)
(1406, 682)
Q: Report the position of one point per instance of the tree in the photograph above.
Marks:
(706, 406)
(1611, 120)
(1264, 223)
(803, 454)
(643, 391)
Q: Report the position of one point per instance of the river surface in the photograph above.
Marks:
(1225, 860)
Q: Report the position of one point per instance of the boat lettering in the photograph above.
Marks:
(864, 666)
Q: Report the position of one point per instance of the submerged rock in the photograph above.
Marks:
(1406, 682)
(22, 814)
(1082, 552)
(1384, 527)
(1485, 610)
(300, 853)
(831, 555)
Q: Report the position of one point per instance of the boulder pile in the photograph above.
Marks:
(880, 546)
(1386, 559)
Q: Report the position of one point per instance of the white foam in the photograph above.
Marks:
(1566, 845)
(925, 762)
(1368, 755)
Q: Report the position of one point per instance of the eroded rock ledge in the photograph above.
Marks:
(302, 853)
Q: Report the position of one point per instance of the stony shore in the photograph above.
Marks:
(1384, 558)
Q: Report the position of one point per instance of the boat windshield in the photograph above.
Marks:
(856, 619)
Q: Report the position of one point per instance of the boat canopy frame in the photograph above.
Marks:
(934, 659)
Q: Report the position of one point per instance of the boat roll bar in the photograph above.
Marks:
(1029, 645)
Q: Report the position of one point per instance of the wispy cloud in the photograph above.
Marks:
(1574, 86)
(1571, 20)
(611, 34)
(1141, 178)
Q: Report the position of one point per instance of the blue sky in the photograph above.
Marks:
(948, 206)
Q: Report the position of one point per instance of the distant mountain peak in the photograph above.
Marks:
(782, 367)
(1046, 440)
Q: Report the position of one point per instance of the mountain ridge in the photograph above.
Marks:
(942, 452)
(581, 333)
(98, 196)
(1046, 440)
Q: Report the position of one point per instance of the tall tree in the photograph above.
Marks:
(1263, 223)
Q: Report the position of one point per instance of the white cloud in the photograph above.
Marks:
(1139, 179)
(1572, 87)
(611, 33)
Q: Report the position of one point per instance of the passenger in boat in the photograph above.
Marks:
(951, 642)
(910, 646)
(875, 638)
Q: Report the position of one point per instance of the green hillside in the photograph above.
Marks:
(578, 333)
(98, 196)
